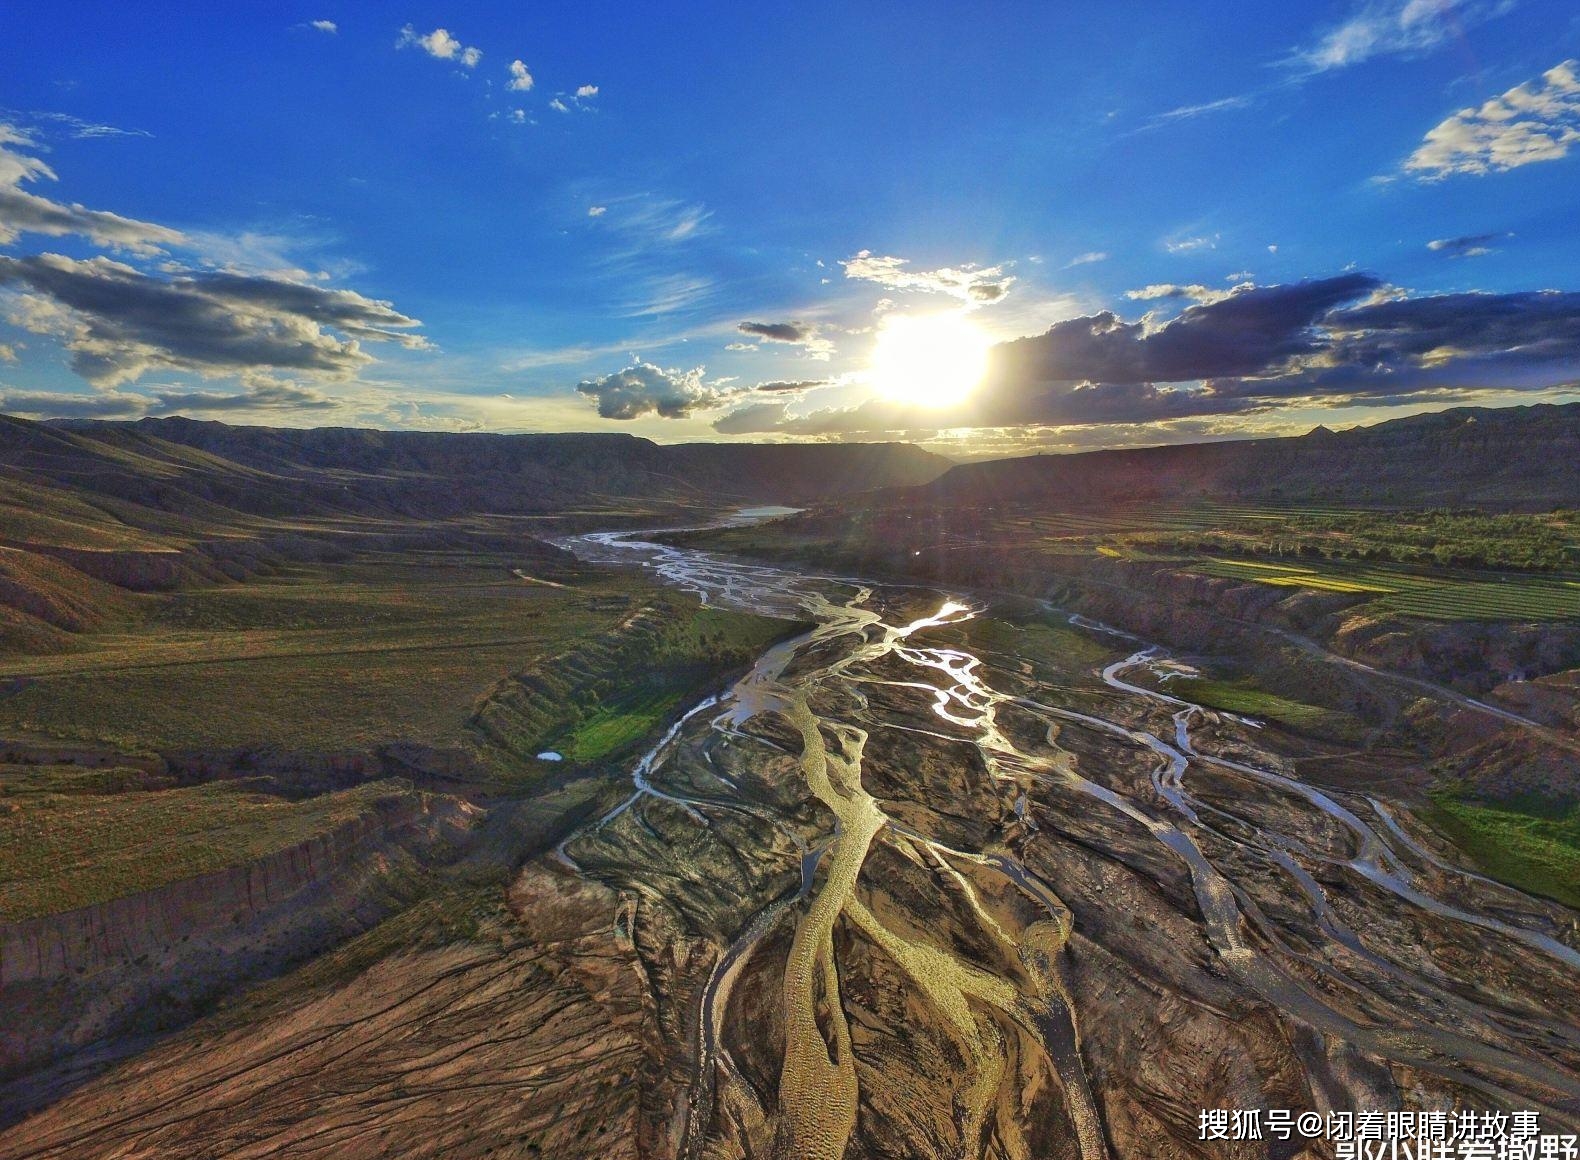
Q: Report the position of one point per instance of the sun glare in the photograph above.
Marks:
(929, 360)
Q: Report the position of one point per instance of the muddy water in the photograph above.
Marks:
(957, 909)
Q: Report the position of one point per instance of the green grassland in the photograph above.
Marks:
(336, 657)
(1534, 846)
(682, 662)
(1245, 697)
(616, 724)
(64, 850)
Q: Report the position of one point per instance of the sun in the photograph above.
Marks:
(928, 360)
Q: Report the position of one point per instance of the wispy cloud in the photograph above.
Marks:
(22, 212)
(1189, 245)
(1379, 28)
(670, 293)
(1186, 112)
(1373, 29)
(649, 221)
(75, 126)
(328, 26)
(1087, 259)
(1536, 121)
(440, 45)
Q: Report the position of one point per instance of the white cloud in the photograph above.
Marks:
(586, 91)
(1087, 258)
(969, 283)
(324, 25)
(1189, 245)
(88, 130)
(559, 106)
(1536, 121)
(1186, 112)
(653, 221)
(7, 353)
(440, 45)
(1193, 291)
(27, 213)
(646, 389)
(520, 78)
(597, 210)
(1393, 28)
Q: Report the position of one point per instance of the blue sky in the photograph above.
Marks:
(454, 215)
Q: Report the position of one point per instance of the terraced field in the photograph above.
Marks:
(1507, 596)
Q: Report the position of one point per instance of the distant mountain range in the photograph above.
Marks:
(1520, 458)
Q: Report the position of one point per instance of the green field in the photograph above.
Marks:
(612, 727)
(681, 664)
(1474, 596)
(1533, 846)
(1245, 698)
(336, 657)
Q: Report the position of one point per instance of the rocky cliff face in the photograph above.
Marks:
(134, 963)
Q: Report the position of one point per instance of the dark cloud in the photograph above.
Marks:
(645, 389)
(266, 397)
(1252, 332)
(798, 385)
(802, 334)
(1253, 352)
(779, 331)
(1467, 245)
(132, 405)
(120, 323)
(64, 405)
(1531, 328)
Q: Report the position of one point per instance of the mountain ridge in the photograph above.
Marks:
(1517, 457)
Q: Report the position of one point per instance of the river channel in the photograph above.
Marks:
(955, 900)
